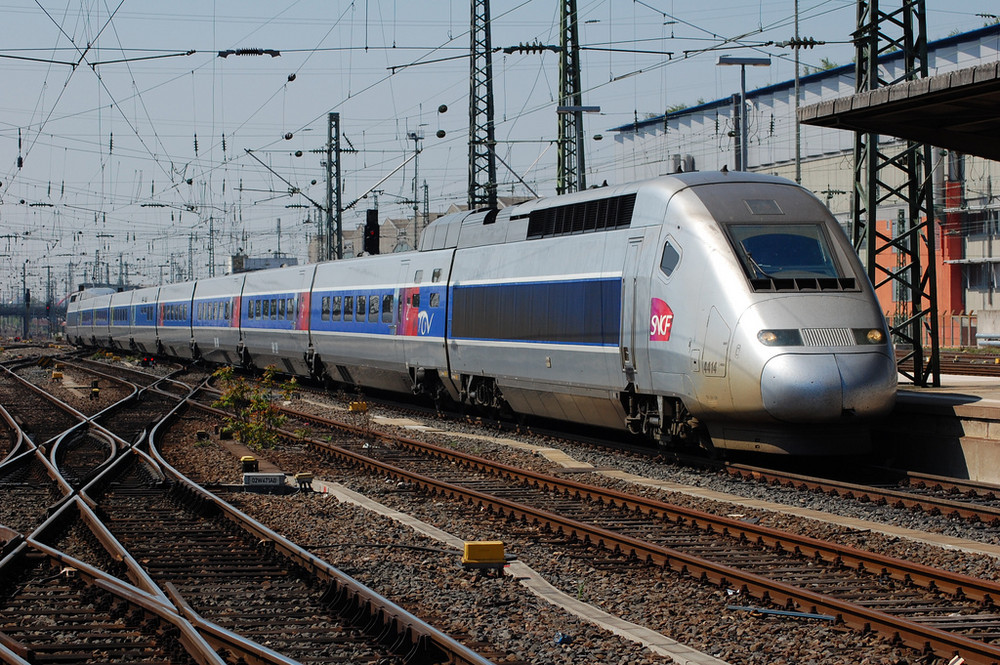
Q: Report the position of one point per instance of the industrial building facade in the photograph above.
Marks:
(704, 138)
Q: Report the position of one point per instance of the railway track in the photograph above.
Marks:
(924, 607)
(32, 411)
(246, 580)
(934, 495)
(200, 576)
(42, 599)
(966, 364)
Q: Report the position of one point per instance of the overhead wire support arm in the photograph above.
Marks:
(386, 177)
(144, 57)
(74, 65)
(292, 189)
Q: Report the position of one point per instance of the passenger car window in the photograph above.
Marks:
(418, 276)
(290, 310)
(348, 308)
(281, 308)
(669, 259)
(436, 275)
(335, 311)
(361, 308)
(274, 309)
(387, 309)
(435, 299)
(373, 309)
(325, 309)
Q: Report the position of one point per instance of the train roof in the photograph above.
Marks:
(88, 293)
(530, 219)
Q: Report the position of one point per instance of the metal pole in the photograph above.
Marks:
(326, 251)
(24, 294)
(416, 136)
(337, 207)
(743, 118)
(798, 127)
(211, 246)
(48, 299)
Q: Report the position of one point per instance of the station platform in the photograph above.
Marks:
(951, 430)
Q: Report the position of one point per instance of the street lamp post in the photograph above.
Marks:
(743, 61)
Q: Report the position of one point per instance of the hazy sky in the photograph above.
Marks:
(124, 135)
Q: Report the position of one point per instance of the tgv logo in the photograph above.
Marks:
(424, 321)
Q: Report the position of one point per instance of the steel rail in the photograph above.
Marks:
(346, 595)
(198, 648)
(77, 415)
(914, 634)
(876, 495)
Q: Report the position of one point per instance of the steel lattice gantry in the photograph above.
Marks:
(482, 143)
(571, 168)
(904, 256)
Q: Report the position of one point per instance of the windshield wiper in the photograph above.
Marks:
(756, 266)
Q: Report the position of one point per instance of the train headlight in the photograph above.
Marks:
(780, 337)
(869, 336)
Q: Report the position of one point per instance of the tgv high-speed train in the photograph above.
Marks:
(730, 304)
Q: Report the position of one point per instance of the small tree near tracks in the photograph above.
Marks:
(256, 418)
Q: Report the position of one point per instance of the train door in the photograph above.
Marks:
(632, 347)
(401, 313)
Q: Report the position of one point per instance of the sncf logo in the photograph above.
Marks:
(661, 318)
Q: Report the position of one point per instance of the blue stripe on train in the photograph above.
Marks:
(582, 312)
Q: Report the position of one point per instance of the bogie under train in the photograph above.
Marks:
(730, 304)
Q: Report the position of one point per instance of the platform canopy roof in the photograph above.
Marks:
(958, 111)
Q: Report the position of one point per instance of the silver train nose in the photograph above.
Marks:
(808, 388)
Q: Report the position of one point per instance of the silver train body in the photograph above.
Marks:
(726, 303)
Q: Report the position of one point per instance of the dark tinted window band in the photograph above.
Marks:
(586, 312)
(600, 215)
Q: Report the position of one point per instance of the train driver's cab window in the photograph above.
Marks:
(784, 251)
(669, 259)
